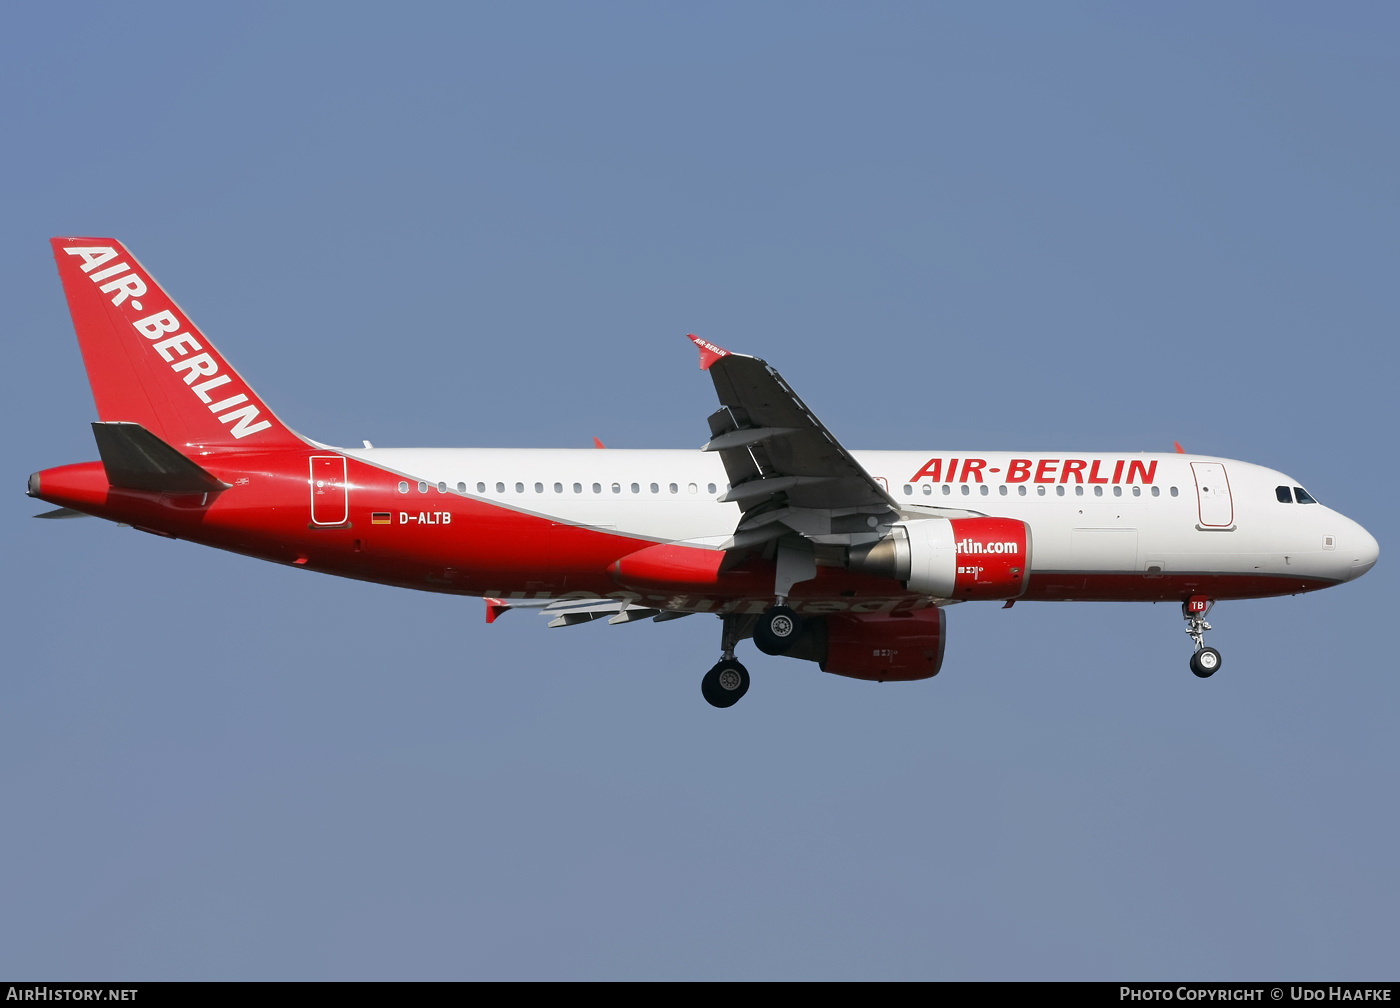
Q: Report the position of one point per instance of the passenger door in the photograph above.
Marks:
(1216, 508)
(330, 498)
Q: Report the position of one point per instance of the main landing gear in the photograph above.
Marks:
(777, 630)
(728, 681)
(1206, 660)
(724, 684)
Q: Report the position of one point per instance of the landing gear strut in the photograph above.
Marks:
(728, 681)
(1206, 660)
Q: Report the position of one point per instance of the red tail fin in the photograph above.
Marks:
(148, 364)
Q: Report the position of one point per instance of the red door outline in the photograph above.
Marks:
(1213, 501)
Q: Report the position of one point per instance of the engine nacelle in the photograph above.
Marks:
(953, 558)
(883, 646)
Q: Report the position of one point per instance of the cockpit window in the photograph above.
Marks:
(1303, 496)
(1284, 495)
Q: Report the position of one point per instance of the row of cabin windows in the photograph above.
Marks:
(710, 488)
(986, 490)
(1286, 496)
(597, 488)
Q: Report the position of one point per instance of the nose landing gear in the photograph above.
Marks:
(1206, 661)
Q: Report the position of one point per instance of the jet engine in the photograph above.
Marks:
(886, 647)
(952, 558)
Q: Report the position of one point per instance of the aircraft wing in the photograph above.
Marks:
(791, 478)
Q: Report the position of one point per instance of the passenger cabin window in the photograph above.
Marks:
(1284, 495)
(709, 488)
(520, 488)
(908, 490)
(656, 488)
(422, 487)
(500, 488)
(481, 488)
(1156, 491)
(442, 488)
(578, 488)
(674, 488)
(1303, 496)
(597, 488)
(928, 489)
(636, 488)
(559, 488)
(403, 486)
(617, 488)
(1173, 491)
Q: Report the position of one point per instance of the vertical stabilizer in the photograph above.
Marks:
(148, 364)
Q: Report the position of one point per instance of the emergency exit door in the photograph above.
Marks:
(330, 499)
(1217, 510)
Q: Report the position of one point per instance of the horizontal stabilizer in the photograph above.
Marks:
(138, 460)
(62, 513)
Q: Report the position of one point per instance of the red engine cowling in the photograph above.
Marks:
(957, 558)
(885, 647)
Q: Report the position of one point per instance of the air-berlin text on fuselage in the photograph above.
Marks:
(175, 350)
(1045, 470)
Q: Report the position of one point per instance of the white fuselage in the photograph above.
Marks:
(1145, 513)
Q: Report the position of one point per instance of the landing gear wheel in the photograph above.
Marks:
(777, 630)
(724, 684)
(1205, 662)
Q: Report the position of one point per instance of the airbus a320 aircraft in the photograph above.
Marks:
(847, 559)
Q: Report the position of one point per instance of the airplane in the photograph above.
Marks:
(842, 558)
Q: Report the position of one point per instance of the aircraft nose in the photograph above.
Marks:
(1363, 551)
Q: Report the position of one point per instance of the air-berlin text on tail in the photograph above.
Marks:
(176, 350)
(1045, 470)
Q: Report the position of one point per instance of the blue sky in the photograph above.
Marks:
(1071, 226)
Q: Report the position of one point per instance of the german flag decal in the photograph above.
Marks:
(382, 518)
